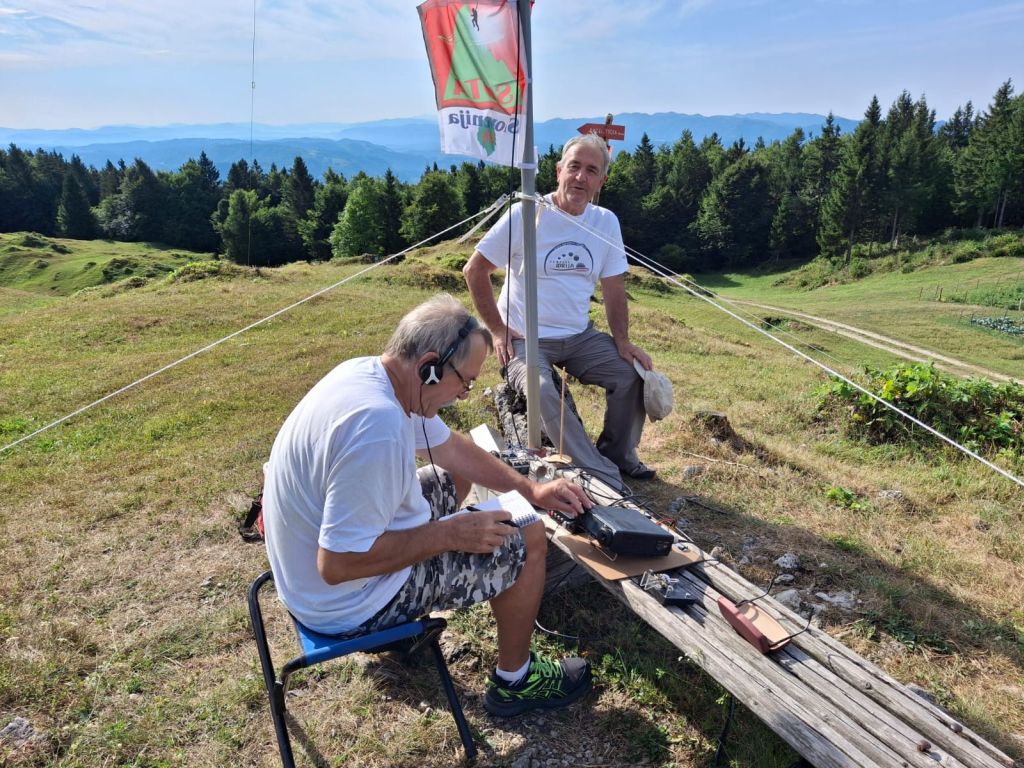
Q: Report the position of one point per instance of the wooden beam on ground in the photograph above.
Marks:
(832, 706)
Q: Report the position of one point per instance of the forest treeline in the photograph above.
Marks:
(692, 206)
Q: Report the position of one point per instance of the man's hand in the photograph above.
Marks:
(629, 351)
(477, 532)
(478, 272)
(502, 348)
(561, 495)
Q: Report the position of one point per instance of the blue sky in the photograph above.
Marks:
(86, 63)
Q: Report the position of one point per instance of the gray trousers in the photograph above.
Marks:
(591, 357)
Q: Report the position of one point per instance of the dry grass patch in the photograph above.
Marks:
(123, 632)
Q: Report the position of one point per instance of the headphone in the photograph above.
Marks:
(433, 371)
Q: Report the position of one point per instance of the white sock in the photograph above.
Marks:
(513, 677)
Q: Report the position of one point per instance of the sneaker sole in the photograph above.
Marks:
(513, 708)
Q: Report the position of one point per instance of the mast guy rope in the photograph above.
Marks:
(208, 347)
(662, 271)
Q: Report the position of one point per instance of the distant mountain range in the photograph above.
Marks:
(407, 146)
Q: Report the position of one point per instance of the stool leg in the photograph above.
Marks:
(277, 710)
(453, 701)
(275, 689)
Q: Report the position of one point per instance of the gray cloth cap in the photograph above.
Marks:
(657, 393)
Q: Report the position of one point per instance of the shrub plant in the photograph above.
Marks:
(975, 412)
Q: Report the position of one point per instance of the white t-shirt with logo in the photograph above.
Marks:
(570, 261)
(342, 471)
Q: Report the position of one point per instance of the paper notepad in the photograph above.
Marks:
(512, 502)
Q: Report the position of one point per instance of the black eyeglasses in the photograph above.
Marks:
(467, 385)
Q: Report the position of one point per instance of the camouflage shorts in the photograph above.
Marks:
(451, 579)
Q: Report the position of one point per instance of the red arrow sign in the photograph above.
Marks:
(606, 132)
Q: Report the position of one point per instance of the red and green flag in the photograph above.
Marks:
(478, 62)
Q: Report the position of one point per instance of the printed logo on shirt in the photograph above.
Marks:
(569, 257)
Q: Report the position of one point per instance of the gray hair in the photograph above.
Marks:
(589, 140)
(434, 326)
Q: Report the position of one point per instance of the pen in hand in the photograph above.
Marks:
(475, 508)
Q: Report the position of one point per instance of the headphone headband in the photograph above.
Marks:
(431, 373)
(464, 331)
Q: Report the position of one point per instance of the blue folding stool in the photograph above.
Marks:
(316, 648)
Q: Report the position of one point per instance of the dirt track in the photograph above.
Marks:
(893, 346)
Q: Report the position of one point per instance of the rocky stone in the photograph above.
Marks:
(785, 578)
(891, 494)
(788, 562)
(17, 732)
(846, 601)
(677, 504)
(693, 470)
(790, 598)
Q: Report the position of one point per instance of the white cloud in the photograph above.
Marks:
(200, 30)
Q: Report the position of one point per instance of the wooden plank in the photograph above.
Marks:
(933, 723)
(858, 711)
(832, 706)
(796, 713)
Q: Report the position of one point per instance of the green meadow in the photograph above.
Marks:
(124, 636)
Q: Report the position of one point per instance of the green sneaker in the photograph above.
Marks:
(547, 685)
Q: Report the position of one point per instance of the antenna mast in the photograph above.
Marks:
(529, 175)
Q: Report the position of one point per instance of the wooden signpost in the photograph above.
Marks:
(606, 131)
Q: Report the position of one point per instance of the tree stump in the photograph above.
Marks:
(717, 427)
(511, 405)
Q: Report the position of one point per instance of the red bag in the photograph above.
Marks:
(251, 527)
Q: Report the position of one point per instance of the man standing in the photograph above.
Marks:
(359, 540)
(578, 244)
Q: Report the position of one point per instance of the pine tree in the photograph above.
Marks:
(434, 207)
(621, 195)
(792, 230)
(644, 167)
(192, 195)
(957, 130)
(903, 149)
(110, 179)
(820, 161)
(987, 171)
(855, 193)
(546, 181)
(736, 216)
(86, 179)
(74, 216)
(235, 229)
(299, 189)
(328, 203)
(360, 230)
(393, 208)
(138, 209)
(271, 186)
(470, 188)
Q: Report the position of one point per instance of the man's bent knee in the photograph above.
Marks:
(536, 540)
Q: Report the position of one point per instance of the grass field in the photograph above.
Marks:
(53, 266)
(914, 307)
(124, 638)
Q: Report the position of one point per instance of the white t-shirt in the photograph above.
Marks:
(342, 471)
(570, 261)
